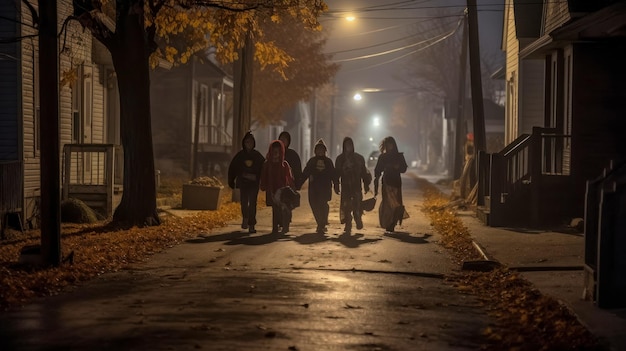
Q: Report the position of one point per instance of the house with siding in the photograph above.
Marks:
(523, 78)
(86, 104)
(192, 118)
(539, 178)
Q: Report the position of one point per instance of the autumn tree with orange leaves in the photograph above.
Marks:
(129, 29)
(273, 93)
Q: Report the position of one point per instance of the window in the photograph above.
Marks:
(204, 114)
(76, 112)
(554, 85)
(195, 99)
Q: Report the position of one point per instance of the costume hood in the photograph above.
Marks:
(248, 135)
(320, 143)
(281, 153)
(287, 136)
(346, 141)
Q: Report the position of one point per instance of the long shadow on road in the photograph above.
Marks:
(408, 238)
(348, 240)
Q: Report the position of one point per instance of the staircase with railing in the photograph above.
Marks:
(524, 183)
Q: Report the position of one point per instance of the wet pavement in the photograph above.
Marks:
(229, 290)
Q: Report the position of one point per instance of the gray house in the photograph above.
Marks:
(192, 117)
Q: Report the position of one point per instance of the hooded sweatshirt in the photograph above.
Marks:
(351, 169)
(276, 172)
(245, 167)
(321, 174)
(291, 156)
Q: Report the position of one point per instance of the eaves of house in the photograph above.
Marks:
(608, 22)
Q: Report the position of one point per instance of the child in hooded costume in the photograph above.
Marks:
(351, 170)
(390, 164)
(277, 181)
(292, 157)
(321, 174)
(244, 173)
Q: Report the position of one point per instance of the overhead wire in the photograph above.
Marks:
(396, 49)
(409, 53)
(390, 41)
(383, 7)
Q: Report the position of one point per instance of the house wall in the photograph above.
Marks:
(75, 51)
(555, 13)
(525, 85)
(511, 119)
(172, 110)
(9, 98)
(531, 98)
(598, 108)
(29, 104)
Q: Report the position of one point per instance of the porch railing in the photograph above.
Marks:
(531, 158)
(88, 175)
(214, 135)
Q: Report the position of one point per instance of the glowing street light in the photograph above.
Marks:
(357, 97)
(376, 121)
(350, 18)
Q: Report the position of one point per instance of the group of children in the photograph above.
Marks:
(280, 175)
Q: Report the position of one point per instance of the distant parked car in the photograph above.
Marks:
(371, 161)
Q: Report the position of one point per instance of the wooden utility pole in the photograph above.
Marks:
(243, 93)
(49, 134)
(461, 130)
(478, 110)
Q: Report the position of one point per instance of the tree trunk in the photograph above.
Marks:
(130, 58)
(243, 92)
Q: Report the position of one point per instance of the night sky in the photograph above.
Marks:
(375, 25)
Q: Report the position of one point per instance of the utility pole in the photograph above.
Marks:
(49, 178)
(480, 140)
(459, 154)
(478, 110)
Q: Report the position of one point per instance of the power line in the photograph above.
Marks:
(409, 53)
(391, 41)
(383, 8)
(404, 18)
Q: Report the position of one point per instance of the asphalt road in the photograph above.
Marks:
(229, 290)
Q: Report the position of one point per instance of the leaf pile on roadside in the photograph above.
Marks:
(98, 249)
(525, 319)
(207, 181)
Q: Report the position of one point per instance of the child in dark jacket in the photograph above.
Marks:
(244, 173)
(275, 176)
(322, 177)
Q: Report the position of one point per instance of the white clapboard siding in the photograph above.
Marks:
(76, 50)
